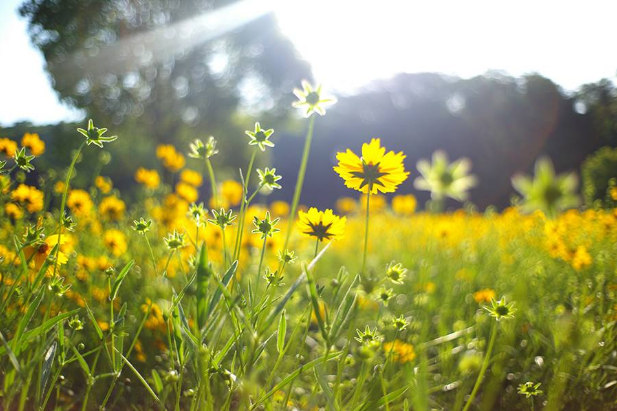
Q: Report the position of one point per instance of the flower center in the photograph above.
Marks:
(312, 98)
(320, 231)
(370, 174)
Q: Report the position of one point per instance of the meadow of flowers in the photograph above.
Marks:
(193, 295)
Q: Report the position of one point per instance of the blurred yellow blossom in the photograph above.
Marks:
(149, 178)
(33, 142)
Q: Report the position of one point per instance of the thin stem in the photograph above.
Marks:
(300, 180)
(224, 247)
(212, 182)
(151, 253)
(261, 260)
(67, 183)
(487, 359)
(243, 207)
(368, 203)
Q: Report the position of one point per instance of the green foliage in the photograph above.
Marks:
(599, 175)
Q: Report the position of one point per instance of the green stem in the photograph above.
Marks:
(243, 206)
(151, 253)
(212, 182)
(261, 260)
(368, 203)
(487, 359)
(300, 180)
(67, 182)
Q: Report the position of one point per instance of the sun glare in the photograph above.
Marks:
(349, 43)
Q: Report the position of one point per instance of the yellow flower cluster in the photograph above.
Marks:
(171, 159)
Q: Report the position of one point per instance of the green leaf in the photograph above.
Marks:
(48, 362)
(304, 367)
(315, 300)
(82, 363)
(143, 381)
(11, 354)
(119, 279)
(204, 272)
(97, 328)
(43, 328)
(280, 342)
(217, 294)
(286, 298)
(32, 307)
(343, 313)
(324, 385)
(158, 383)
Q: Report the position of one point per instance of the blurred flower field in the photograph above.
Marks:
(194, 295)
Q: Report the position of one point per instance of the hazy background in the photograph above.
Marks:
(499, 82)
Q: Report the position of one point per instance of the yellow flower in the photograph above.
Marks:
(404, 204)
(59, 187)
(401, 351)
(581, 258)
(346, 205)
(149, 178)
(8, 147)
(172, 160)
(115, 241)
(484, 296)
(377, 171)
(321, 225)
(34, 143)
(187, 192)
(79, 202)
(28, 196)
(13, 211)
(378, 203)
(112, 208)
(103, 183)
(39, 253)
(191, 177)
(231, 191)
(279, 209)
(613, 193)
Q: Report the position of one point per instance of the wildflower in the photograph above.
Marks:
(529, 389)
(500, 309)
(400, 323)
(59, 187)
(187, 192)
(323, 225)
(149, 178)
(34, 143)
(272, 278)
(112, 208)
(376, 171)
(175, 240)
(279, 208)
(198, 213)
(40, 251)
(613, 193)
(547, 192)
(79, 202)
(268, 178)
(22, 160)
(401, 351)
(13, 211)
(368, 336)
(311, 99)
(68, 222)
(191, 177)
(581, 259)
(94, 135)
(385, 295)
(56, 286)
(286, 256)
(104, 184)
(260, 137)
(265, 227)
(231, 191)
(404, 204)
(142, 226)
(28, 196)
(172, 160)
(444, 179)
(346, 205)
(75, 323)
(484, 296)
(395, 272)
(115, 241)
(8, 147)
(200, 150)
(222, 218)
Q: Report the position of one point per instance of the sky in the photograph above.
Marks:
(351, 42)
